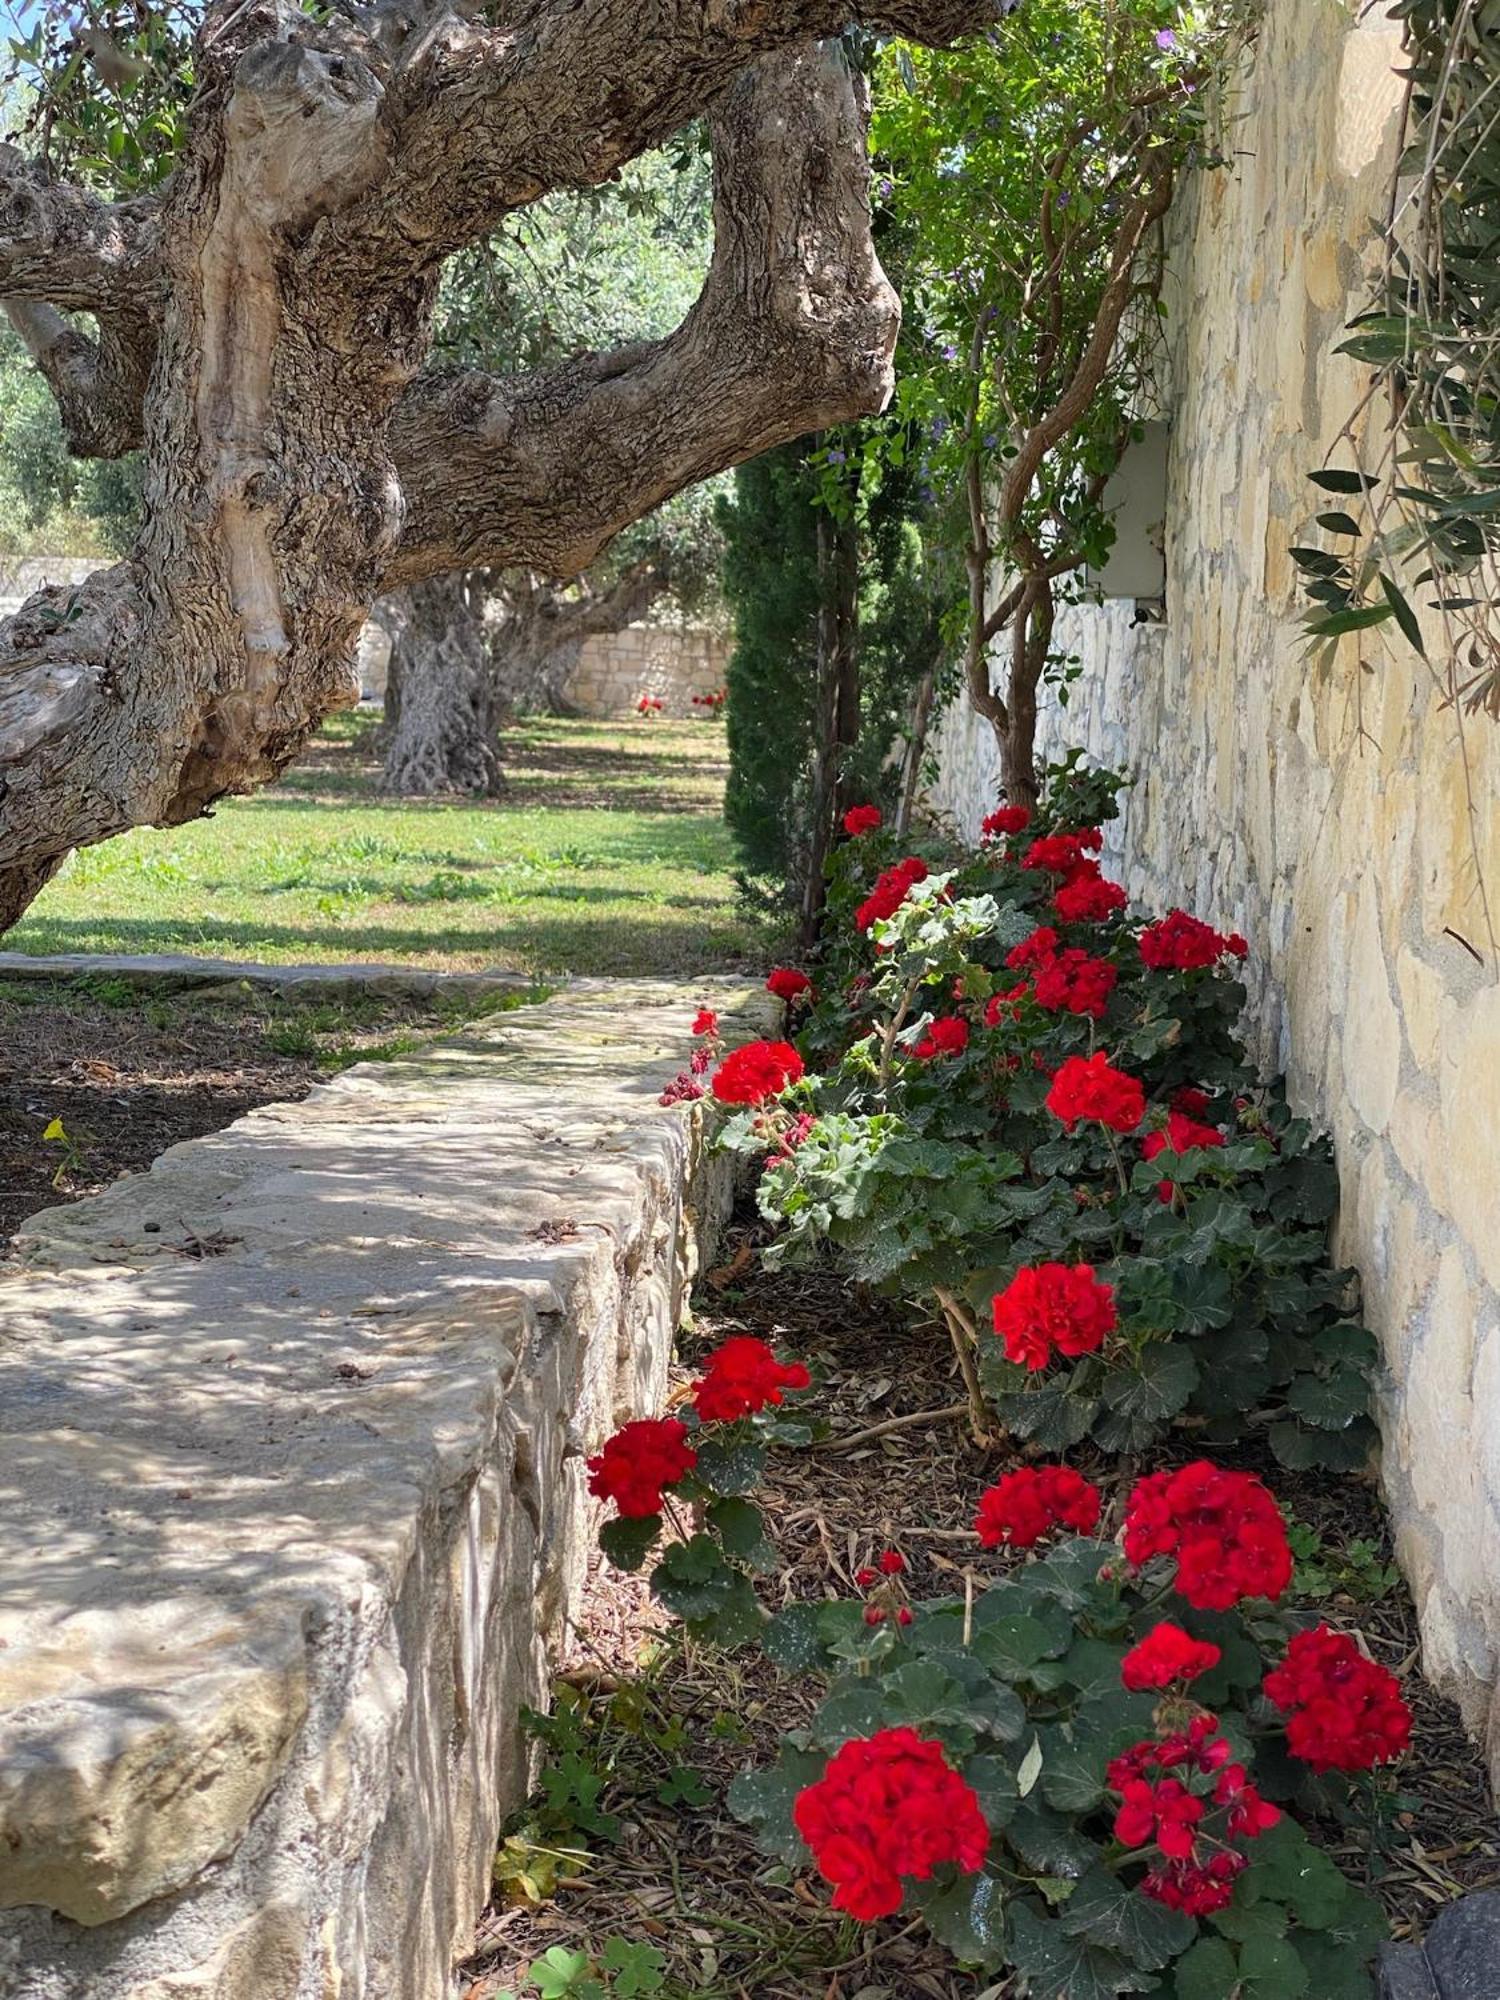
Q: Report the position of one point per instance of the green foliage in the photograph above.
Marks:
(941, 1179)
(771, 583)
(1023, 1690)
(1428, 519)
(780, 589)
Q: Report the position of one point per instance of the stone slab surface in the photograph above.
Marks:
(1459, 1959)
(291, 1439)
(186, 973)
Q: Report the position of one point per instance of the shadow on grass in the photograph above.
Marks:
(665, 944)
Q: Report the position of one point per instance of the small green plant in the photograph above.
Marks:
(624, 1969)
(73, 1158)
(1360, 1569)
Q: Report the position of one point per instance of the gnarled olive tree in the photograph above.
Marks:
(261, 329)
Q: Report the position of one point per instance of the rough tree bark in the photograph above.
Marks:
(471, 651)
(441, 717)
(263, 324)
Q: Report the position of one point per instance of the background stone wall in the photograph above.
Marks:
(667, 662)
(1345, 822)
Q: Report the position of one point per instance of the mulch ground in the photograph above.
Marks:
(129, 1073)
(687, 1878)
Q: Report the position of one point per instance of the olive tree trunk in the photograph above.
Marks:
(441, 717)
(263, 328)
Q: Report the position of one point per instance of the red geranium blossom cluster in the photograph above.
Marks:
(887, 1807)
(890, 891)
(1180, 943)
(638, 1462)
(1088, 897)
(1183, 1135)
(947, 1035)
(1223, 1528)
(1005, 819)
(1034, 951)
(1344, 1712)
(1031, 1502)
(1005, 1006)
(1167, 1655)
(1075, 982)
(1047, 1307)
(861, 819)
(705, 1022)
(787, 983)
(1091, 1087)
(758, 1070)
(743, 1376)
(649, 704)
(683, 1089)
(1063, 853)
(1190, 1819)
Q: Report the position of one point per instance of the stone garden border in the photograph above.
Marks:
(291, 1442)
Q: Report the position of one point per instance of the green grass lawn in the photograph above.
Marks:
(608, 854)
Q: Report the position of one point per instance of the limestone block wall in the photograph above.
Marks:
(292, 1431)
(668, 662)
(1346, 822)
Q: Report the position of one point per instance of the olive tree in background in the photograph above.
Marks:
(259, 324)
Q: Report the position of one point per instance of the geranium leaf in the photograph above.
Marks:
(764, 1801)
(627, 1543)
(968, 1916)
(1147, 1932)
(1057, 1966)
(1207, 1971)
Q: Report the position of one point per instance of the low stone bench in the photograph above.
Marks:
(292, 1492)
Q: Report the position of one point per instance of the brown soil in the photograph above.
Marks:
(129, 1073)
(690, 1881)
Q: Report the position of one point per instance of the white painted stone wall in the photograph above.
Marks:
(292, 1431)
(1347, 823)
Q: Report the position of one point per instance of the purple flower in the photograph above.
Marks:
(950, 353)
(1166, 38)
(838, 458)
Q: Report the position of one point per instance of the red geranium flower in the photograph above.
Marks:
(1189, 1100)
(1183, 1135)
(637, 1462)
(1211, 1801)
(1005, 819)
(1031, 1502)
(743, 1376)
(892, 1562)
(1047, 1306)
(1180, 943)
(887, 1807)
(1005, 1006)
(705, 1022)
(948, 1035)
(1088, 898)
(890, 891)
(1344, 1712)
(861, 819)
(1165, 1655)
(1090, 1087)
(758, 1070)
(1033, 951)
(1060, 853)
(1075, 983)
(1223, 1528)
(786, 982)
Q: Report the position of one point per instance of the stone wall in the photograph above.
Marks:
(292, 1431)
(668, 662)
(1346, 822)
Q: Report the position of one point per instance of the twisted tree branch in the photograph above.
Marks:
(62, 244)
(795, 330)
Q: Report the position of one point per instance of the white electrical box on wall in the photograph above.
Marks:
(1137, 498)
